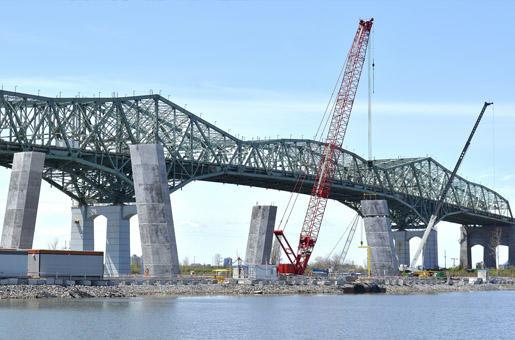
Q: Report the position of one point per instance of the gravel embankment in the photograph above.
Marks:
(122, 291)
(424, 289)
(54, 291)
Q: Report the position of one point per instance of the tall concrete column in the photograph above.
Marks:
(492, 237)
(22, 200)
(511, 246)
(489, 256)
(430, 252)
(402, 246)
(378, 229)
(465, 249)
(117, 253)
(82, 229)
(261, 233)
(157, 232)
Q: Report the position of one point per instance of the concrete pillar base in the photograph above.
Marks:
(489, 257)
(82, 229)
(465, 249)
(158, 245)
(22, 200)
(261, 233)
(378, 229)
(402, 246)
(430, 252)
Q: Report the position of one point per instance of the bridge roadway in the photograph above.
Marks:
(86, 142)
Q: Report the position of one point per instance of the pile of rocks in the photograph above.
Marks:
(58, 288)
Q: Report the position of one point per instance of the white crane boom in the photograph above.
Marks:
(439, 204)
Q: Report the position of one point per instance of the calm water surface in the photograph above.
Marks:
(477, 315)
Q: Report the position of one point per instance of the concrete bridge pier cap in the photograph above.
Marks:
(158, 244)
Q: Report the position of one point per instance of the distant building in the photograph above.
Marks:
(227, 262)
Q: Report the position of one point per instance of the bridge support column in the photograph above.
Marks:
(378, 229)
(82, 229)
(430, 252)
(157, 232)
(465, 249)
(261, 234)
(22, 200)
(493, 237)
(402, 246)
(511, 246)
(489, 258)
(117, 251)
(117, 254)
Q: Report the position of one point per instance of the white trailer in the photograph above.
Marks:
(65, 264)
(13, 263)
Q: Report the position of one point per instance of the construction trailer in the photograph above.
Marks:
(255, 272)
(13, 262)
(65, 264)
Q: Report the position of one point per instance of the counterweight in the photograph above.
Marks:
(329, 158)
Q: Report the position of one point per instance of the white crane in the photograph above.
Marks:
(440, 203)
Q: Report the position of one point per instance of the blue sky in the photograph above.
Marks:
(267, 69)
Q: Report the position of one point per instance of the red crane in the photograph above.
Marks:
(329, 158)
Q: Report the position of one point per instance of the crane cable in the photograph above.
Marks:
(493, 145)
(373, 62)
(344, 252)
(353, 221)
(361, 236)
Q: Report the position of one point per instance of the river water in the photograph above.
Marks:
(474, 315)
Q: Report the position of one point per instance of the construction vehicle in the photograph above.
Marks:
(220, 275)
(443, 195)
(326, 170)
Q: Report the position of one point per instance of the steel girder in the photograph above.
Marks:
(87, 139)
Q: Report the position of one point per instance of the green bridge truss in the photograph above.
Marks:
(86, 142)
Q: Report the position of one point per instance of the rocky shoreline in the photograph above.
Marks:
(212, 289)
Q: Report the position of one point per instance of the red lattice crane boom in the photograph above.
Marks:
(328, 159)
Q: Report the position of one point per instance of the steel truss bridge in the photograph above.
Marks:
(86, 141)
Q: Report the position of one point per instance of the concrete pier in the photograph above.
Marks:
(22, 200)
(158, 244)
(117, 254)
(117, 251)
(429, 254)
(465, 249)
(379, 237)
(82, 229)
(261, 234)
(511, 246)
(489, 237)
(402, 246)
